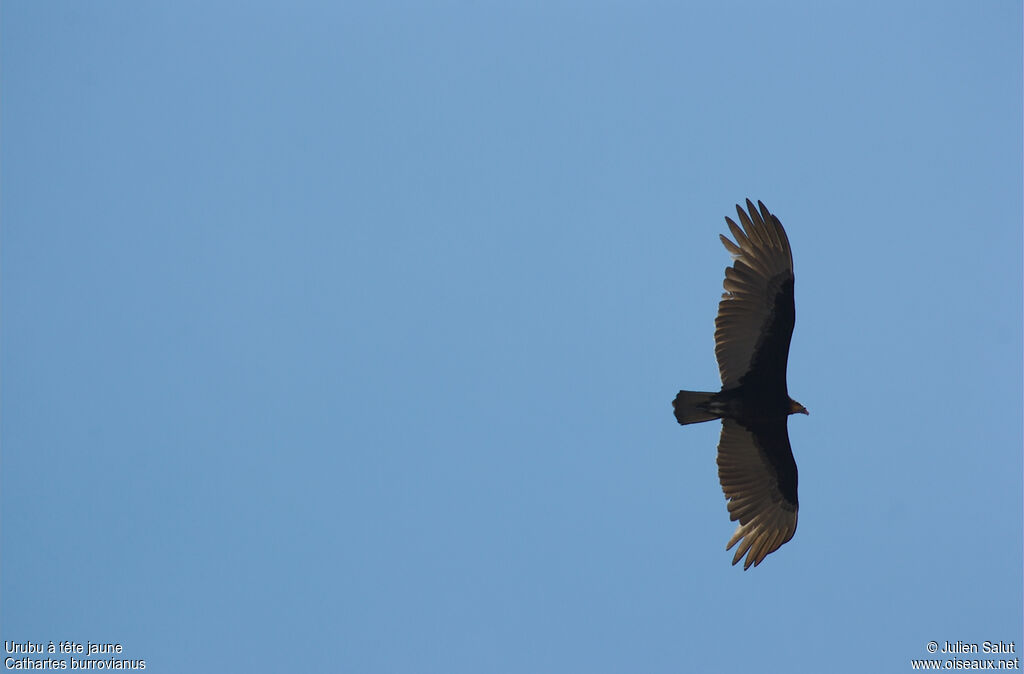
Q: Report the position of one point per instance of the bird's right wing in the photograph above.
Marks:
(756, 315)
(759, 478)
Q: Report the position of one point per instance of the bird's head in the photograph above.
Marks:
(797, 408)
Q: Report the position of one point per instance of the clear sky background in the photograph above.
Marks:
(343, 336)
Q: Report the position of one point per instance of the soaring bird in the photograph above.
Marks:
(752, 333)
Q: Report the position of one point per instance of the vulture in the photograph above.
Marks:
(752, 333)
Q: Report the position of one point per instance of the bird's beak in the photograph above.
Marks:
(803, 410)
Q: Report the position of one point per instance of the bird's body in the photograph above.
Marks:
(752, 334)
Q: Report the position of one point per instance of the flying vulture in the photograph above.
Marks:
(752, 333)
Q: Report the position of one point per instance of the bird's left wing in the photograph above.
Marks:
(759, 478)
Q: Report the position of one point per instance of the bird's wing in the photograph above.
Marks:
(756, 314)
(759, 478)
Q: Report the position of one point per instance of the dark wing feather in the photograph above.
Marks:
(759, 478)
(755, 316)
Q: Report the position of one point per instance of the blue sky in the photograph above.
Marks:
(343, 336)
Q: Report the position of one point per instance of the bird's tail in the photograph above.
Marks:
(692, 407)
